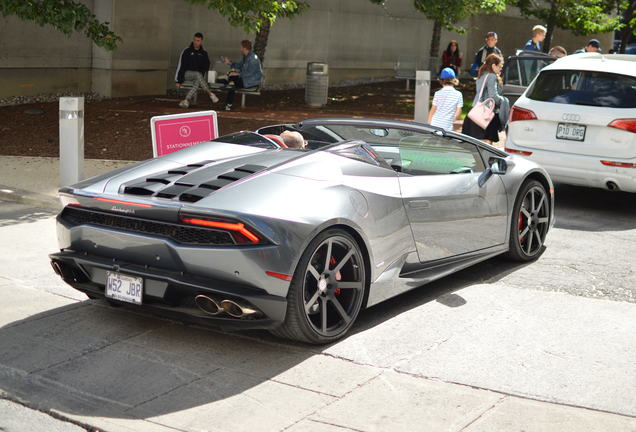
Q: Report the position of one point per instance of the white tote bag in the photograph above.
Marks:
(482, 113)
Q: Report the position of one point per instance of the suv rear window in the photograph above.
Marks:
(585, 88)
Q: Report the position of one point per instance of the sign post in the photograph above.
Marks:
(71, 140)
(422, 95)
(175, 132)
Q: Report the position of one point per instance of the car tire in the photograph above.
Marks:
(529, 223)
(327, 290)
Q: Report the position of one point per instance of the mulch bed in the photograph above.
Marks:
(120, 128)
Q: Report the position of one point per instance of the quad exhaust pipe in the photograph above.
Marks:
(233, 308)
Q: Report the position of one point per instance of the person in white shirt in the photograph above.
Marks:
(447, 102)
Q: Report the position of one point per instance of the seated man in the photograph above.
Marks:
(293, 139)
(193, 65)
(246, 73)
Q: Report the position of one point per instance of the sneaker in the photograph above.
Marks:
(226, 107)
(214, 98)
(184, 103)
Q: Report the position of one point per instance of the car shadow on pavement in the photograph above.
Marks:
(591, 209)
(14, 213)
(90, 360)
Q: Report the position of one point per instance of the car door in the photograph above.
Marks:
(449, 211)
(520, 70)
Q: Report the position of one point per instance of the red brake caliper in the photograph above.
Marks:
(521, 227)
(332, 261)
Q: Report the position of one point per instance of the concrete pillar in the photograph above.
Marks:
(71, 140)
(422, 95)
(140, 63)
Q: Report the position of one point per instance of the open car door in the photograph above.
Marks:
(520, 70)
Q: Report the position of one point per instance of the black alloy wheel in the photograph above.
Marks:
(327, 290)
(530, 222)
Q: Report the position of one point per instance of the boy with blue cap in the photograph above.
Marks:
(447, 102)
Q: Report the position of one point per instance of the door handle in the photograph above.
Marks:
(419, 204)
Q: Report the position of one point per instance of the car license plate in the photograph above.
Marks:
(569, 131)
(124, 288)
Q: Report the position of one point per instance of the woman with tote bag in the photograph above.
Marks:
(489, 86)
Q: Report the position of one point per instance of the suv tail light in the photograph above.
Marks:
(625, 124)
(519, 152)
(517, 113)
(619, 164)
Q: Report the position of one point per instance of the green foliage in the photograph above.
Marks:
(582, 17)
(250, 14)
(67, 16)
(451, 12)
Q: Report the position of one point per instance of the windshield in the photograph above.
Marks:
(585, 88)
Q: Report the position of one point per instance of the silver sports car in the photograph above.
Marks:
(241, 232)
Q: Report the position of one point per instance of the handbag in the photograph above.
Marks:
(482, 113)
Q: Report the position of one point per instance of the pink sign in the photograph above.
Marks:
(175, 132)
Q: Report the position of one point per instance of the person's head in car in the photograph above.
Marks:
(558, 51)
(293, 139)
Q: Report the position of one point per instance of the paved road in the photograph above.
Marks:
(495, 347)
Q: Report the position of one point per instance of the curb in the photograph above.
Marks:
(28, 197)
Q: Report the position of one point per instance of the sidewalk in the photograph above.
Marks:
(187, 379)
(35, 180)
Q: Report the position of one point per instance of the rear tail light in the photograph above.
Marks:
(517, 113)
(625, 124)
(519, 152)
(238, 230)
(619, 164)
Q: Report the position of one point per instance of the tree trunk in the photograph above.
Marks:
(260, 42)
(547, 42)
(626, 31)
(434, 53)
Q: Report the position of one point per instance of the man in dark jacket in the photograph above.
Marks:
(485, 51)
(193, 65)
(246, 73)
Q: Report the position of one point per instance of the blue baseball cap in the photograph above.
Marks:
(447, 73)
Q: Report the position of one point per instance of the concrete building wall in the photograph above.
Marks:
(356, 38)
(36, 60)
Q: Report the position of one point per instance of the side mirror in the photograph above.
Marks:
(498, 165)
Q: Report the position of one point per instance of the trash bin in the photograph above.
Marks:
(317, 84)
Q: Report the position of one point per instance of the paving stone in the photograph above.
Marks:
(232, 401)
(520, 415)
(395, 401)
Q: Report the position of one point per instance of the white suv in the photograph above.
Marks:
(578, 120)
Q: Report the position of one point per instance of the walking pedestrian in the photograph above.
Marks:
(489, 48)
(538, 36)
(447, 102)
(193, 65)
(489, 79)
(452, 57)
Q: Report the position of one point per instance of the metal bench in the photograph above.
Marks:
(405, 68)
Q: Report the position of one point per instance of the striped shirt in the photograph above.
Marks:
(447, 100)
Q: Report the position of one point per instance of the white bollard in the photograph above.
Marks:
(71, 140)
(422, 95)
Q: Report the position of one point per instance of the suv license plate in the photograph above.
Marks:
(569, 131)
(124, 288)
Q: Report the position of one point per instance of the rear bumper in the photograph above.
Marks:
(582, 170)
(172, 293)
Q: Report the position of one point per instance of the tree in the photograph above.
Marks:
(67, 16)
(582, 17)
(627, 12)
(448, 14)
(255, 16)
